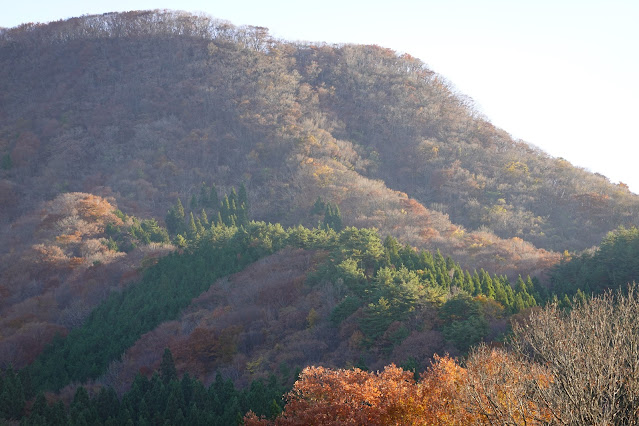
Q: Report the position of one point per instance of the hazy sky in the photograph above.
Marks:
(560, 74)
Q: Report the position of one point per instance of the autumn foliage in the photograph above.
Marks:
(500, 388)
(323, 396)
(493, 388)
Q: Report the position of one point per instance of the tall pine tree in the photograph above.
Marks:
(167, 367)
(175, 219)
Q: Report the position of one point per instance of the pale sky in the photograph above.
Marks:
(560, 74)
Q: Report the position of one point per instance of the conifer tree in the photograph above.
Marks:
(242, 216)
(214, 200)
(6, 163)
(192, 229)
(319, 206)
(175, 218)
(57, 415)
(487, 285)
(476, 284)
(500, 294)
(12, 398)
(440, 262)
(225, 209)
(180, 211)
(520, 286)
(518, 303)
(143, 410)
(337, 219)
(180, 241)
(233, 198)
(332, 218)
(510, 294)
(469, 284)
(40, 405)
(242, 196)
(167, 367)
(204, 219)
(458, 277)
(391, 246)
(205, 196)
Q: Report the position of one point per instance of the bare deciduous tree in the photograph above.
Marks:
(500, 388)
(592, 352)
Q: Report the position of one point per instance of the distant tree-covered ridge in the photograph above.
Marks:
(614, 263)
(170, 100)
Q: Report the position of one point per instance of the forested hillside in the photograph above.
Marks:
(180, 195)
(335, 298)
(388, 302)
(146, 106)
(614, 263)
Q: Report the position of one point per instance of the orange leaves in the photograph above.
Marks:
(70, 228)
(392, 397)
(75, 237)
(428, 233)
(77, 211)
(93, 207)
(441, 386)
(49, 254)
(74, 262)
(412, 206)
(324, 396)
(502, 389)
(494, 388)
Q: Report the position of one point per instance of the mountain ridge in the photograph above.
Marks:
(435, 133)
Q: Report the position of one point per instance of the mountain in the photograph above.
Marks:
(151, 113)
(146, 106)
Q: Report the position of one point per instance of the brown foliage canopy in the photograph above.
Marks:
(354, 397)
(494, 388)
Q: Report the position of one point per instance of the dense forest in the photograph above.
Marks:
(204, 224)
